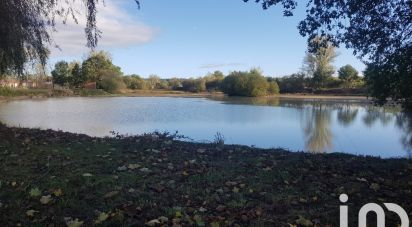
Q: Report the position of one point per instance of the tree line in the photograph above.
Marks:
(317, 74)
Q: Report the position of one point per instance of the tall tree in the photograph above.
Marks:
(77, 77)
(318, 64)
(348, 74)
(61, 73)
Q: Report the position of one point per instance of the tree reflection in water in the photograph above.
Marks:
(347, 114)
(317, 129)
(404, 123)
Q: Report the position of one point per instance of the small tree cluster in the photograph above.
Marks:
(250, 83)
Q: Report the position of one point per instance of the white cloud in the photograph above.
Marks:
(119, 29)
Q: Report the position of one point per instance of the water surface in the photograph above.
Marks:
(295, 124)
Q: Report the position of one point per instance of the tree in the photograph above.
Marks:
(61, 73)
(273, 88)
(77, 77)
(318, 64)
(97, 64)
(110, 82)
(293, 83)
(134, 82)
(348, 74)
(26, 27)
(250, 83)
(153, 81)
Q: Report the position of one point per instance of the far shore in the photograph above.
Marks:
(166, 93)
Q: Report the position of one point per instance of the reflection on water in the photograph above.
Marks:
(296, 124)
(317, 128)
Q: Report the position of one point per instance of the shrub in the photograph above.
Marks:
(250, 83)
(111, 82)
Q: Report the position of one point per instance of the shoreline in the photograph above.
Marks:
(162, 93)
(154, 178)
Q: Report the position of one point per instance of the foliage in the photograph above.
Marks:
(348, 74)
(134, 82)
(153, 81)
(250, 83)
(26, 27)
(97, 64)
(214, 81)
(110, 81)
(392, 79)
(77, 77)
(380, 32)
(294, 83)
(318, 64)
(273, 88)
(61, 73)
(194, 85)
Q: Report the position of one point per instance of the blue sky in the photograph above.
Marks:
(189, 38)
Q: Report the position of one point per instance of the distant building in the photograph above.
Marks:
(90, 85)
(10, 82)
(28, 84)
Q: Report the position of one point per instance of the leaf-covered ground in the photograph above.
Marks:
(56, 179)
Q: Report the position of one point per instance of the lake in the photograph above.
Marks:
(298, 125)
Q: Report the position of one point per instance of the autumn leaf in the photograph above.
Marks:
(102, 217)
(35, 192)
(70, 222)
(58, 192)
(45, 199)
(30, 213)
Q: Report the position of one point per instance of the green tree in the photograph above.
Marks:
(111, 82)
(61, 73)
(77, 77)
(273, 88)
(97, 64)
(348, 74)
(318, 64)
(292, 84)
(134, 82)
(250, 83)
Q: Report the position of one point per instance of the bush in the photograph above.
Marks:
(250, 84)
(273, 88)
(194, 85)
(294, 83)
(134, 82)
(111, 82)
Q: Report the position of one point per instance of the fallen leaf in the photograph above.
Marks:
(70, 222)
(35, 192)
(163, 219)
(153, 222)
(45, 199)
(375, 187)
(303, 221)
(102, 217)
(133, 166)
(58, 192)
(30, 213)
(110, 194)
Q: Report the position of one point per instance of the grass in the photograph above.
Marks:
(133, 181)
(15, 92)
